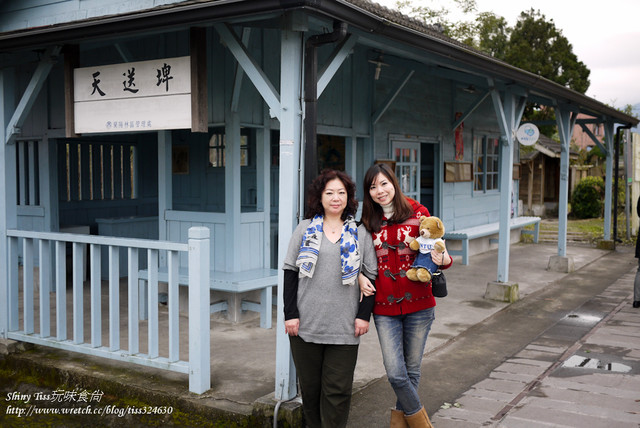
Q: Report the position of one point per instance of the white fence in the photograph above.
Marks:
(52, 260)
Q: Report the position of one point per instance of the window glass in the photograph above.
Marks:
(478, 160)
(486, 155)
(217, 143)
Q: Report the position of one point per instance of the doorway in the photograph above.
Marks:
(417, 169)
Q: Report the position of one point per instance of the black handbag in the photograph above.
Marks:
(438, 284)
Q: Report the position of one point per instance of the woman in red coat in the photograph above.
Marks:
(404, 310)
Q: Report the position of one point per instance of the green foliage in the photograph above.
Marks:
(587, 197)
(536, 45)
(596, 152)
(493, 34)
(622, 194)
(439, 16)
(534, 113)
(628, 109)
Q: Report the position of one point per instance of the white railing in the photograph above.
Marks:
(51, 257)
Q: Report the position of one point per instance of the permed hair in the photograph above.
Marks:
(314, 194)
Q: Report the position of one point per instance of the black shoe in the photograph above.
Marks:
(636, 304)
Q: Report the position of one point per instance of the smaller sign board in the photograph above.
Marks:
(528, 134)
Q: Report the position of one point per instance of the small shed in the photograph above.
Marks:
(540, 177)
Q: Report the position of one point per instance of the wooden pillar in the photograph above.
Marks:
(8, 209)
(565, 121)
(199, 336)
(232, 193)
(165, 186)
(608, 184)
(505, 111)
(290, 143)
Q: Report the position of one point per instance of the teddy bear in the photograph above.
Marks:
(431, 231)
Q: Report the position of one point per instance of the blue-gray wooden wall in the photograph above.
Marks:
(425, 107)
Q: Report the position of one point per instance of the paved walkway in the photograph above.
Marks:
(595, 382)
(494, 381)
(489, 367)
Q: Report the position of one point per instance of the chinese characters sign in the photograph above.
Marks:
(135, 96)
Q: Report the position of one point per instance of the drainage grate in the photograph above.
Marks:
(577, 361)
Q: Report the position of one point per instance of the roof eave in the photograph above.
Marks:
(206, 12)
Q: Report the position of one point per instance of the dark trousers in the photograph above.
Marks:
(325, 373)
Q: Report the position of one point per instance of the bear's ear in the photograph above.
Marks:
(423, 218)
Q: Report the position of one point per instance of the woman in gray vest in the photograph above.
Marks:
(324, 316)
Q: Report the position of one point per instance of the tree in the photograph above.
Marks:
(439, 17)
(493, 34)
(536, 45)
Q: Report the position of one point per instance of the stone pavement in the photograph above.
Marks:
(471, 370)
(487, 356)
(594, 382)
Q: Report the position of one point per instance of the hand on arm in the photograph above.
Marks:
(366, 287)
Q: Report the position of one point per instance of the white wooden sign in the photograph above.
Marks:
(134, 96)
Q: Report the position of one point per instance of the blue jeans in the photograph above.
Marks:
(402, 340)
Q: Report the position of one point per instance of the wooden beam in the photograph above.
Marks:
(31, 93)
(71, 61)
(466, 114)
(593, 138)
(199, 110)
(339, 55)
(257, 76)
(237, 81)
(392, 96)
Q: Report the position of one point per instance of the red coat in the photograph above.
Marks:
(395, 293)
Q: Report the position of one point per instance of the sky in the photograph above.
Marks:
(605, 36)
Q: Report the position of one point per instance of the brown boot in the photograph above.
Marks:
(419, 420)
(397, 419)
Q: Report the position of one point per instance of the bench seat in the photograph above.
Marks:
(469, 233)
(232, 282)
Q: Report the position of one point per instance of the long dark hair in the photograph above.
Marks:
(372, 211)
(314, 194)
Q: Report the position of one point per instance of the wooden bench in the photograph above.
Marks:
(232, 282)
(466, 234)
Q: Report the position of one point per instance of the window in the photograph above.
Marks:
(486, 151)
(98, 171)
(217, 149)
(597, 129)
(28, 172)
(331, 152)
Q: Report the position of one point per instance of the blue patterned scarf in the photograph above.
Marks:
(349, 252)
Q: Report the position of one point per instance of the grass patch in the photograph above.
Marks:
(593, 228)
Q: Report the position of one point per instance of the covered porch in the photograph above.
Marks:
(323, 75)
